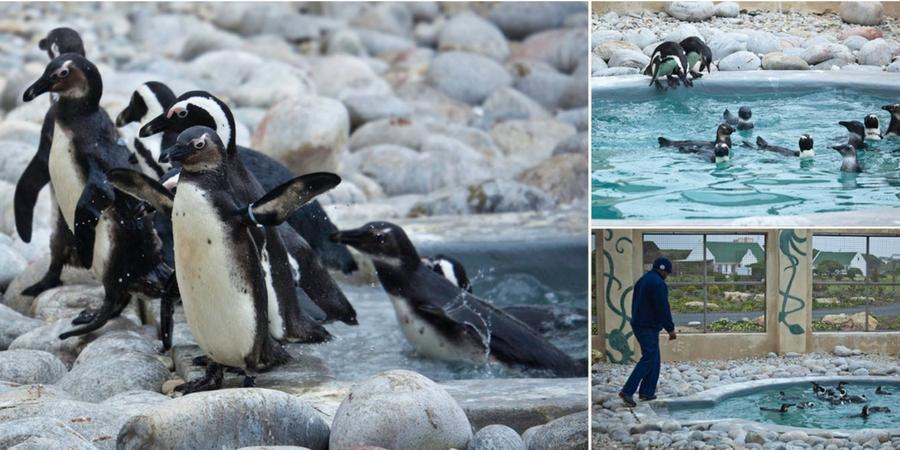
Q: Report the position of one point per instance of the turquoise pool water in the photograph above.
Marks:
(633, 178)
(823, 415)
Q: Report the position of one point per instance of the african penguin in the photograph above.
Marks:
(722, 153)
(880, 391)
(62, 40)
(667, 60)
(782, 409)
(856, 133)
(849, 162)
(227, 285)
(704, 149)
(444, 322)
(743, 121)
(873, 130)
(805, 143)
(894, 125)
(148, 101)
(290, 254)
(696, 51)
(450, 269)
(112, 236)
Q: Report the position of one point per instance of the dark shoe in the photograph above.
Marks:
(647, 398)
(627, 400)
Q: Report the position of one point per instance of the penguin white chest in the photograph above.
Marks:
(217, 294)
(428, 341)
(66, 175)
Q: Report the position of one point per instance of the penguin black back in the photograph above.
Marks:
(62, 40)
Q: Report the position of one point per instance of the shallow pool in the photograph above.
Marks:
(823, 415)
(633, 178)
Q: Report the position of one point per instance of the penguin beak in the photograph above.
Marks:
(350, 237)
(124, 117)
(41, 86)
(176, 153)
(157, 125)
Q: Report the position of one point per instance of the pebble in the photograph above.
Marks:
(469, 32)
(877, 52)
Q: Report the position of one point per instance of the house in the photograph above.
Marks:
(730, 257)
(846, 260)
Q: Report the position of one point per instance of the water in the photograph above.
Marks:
(634, 178)
(377, 344)
(823, 415)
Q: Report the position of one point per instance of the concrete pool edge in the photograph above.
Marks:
(865, 218)
(710, 397)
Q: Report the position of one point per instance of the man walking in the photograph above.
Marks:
(649, 313)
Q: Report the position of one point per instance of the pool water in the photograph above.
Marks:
(633, 178)
(823, 415)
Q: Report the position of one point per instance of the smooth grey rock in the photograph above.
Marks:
(390, 18)
(564, 177)
(862, 13)
(66, 302)
(739, 61)
(222, 419)
(13, 324)
(46, 338)
(520, 19)
(30, 367)
(206, 69)
(840, 350)
(831, 64)
(600, 36)
(39, 432)
(11, 264)
(690, 11)
(200, 42)
(530, 140)
(641, 37)
(577, 117)
(606, 49)
(855, 42)
(468, 77)
(508, 103)
(629, 58)
(542, 83)
(566, 433)
(780, 61)
(14, 157)
(682, 31)
(822, 52)
(379, 43)
(344, 76)
(563, 49)
(577, 143)
(877, 52)
(423, 415)
(762, 42)
(727, 9)
(345, 41)
(725, 44)
(271, 82)
(469, 32)
(369, 108)
(496, 437)
(393, 131)
(32, 274)
(492, 196)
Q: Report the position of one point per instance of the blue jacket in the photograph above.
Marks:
(650, 303)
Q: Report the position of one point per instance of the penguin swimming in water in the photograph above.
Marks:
(855, 398)
(894, 125)
(856, 133)
(444, 322)
(875, 409)
(806, 405)
(37, 175)
(817, 388)
(865, 413)
(805, 143)
(722, 153)
(783, 409)
(743, 121)
(873, 129)
(849, 163)
(695, 51)
(113, 237)
(227, 284)
(880, 391)
(705, 149)
(450, 269)
(669, 60)
(202, 108)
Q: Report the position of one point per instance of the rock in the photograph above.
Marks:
(11, 264)
(41, 432)
(14, 157)
(220, 419)
(763, 42)
(690, 11)
(577, 144)
(780, 61)
(682, 31)
(345, 41)
(543, 83)
(17, 130)
(600, 36)
(861, 372)
(742, 60)
(345, 76)
(629, 58)
(423, 415)
(13, 324)
(379, 43)
(468, 32)
(206, 69)
(862, 13)
(32, 274)
(508, 103)
(307, 133)
(563, 49)
(527, 141)
(877, 52)
(606, 49)
(468, 77)
(564, 177)
(270, 83)
(725, 44)
(100, 374)
(855, 42)
(565, 433)
(727, 9)
(387, 17)
(369, 108)
(894, 67)
(519, 19)
(66, 302)
(46, 338)
(496, 437)
(641, 37)
(822, 52)
(577, 117)
(396, 131)
(200, 42)
(30, 367)
(868, 33)
(491, 196)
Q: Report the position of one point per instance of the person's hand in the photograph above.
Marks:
(672, 335)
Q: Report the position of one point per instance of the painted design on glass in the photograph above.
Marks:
(617, 338)
(789, 243)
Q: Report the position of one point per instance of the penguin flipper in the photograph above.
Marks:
(143, 188)
(278, 204)
(33, 179)
(96, 197)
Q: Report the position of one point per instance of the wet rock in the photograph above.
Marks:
(862, 13)
(219, 419)
(567, 432)
(369, 108)
(519, 19)
(877, 52)
(564, 177)
(270, 83)
(423, 415)
(468, 77)
(725, 44)
(469, 32)
(496, 437)
(345, 76)
(822, 52)
(11, 264)
(629, 58)
(727, 9)
(780, 61)
(41, 432)
(527, 141)
(13, 324)
(492, 196)
(30, 367)
(737, 61)
(306, 133)
(690, 11)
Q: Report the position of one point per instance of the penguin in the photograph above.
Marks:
(875, 409)
(148, 101)
(873, 129)
(444, 322)
(880, 391)
(669, 60)
(849, 163)
(783, 409)
(817, 388)
(855, 398)
(743, 121)
(37, 175)
(695, 51)
(805, 143)
(893, 129)
(450, 269)
(722, 153)
(705, 149)
(864, 413)
(225, 279)
(202, 108)
(856, 133)
(112, 234)
(806, 405)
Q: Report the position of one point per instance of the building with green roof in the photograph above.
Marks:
(730, 257)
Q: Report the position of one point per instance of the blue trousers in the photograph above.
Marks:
(646, 372)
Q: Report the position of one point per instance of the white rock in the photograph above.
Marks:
(468, 77)
(823, 52)
(727, 9)
(642, 37)
(855, 42)
(629, 58)
(862, 13)
(270, 83)
(690, 11)
(726, 44)
(742, 60)
(877, 52)
(780, 61)
(681, 32)
(469, 32)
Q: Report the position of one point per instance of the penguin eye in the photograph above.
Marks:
(199, 144)
(182, 113)
(63, 73)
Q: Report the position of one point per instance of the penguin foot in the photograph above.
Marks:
(201, 360)
(86, 316)
(209, 382)
(35, 289)
(696, 75)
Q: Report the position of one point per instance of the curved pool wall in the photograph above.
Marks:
(710, 397)
(883, 84)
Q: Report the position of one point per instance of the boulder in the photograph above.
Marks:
(527, 141)
(606, 49)
(206, 70)
(600, 36)
(641, 37)
(200, 42)
(469, 32)
(727, 9)
(564, 177)
(468, 77)
(344, 76)
(543, 83)
(616, 71)
(762, 42)
(780, 61)
(876, 52)
(307, 133)
(13, 324)
(270, 83)
(518, 20)
(41, 433)
(867, 33)
(629, 58)
(394, 131)
(379, 43)
(563, 49)
(14, 157)
(46, 338)
(862, 13)
(491, 196)
(508, 103)
(725, 44)
(566, 433)
(577, 143)
(496, 437)
(30, 367)
(823, 52)
(855, 42)
(690, 11)
(11, 264)
(66, 302)
(374, 107)
(682, 31)
(742, 60)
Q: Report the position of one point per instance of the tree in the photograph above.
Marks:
(829, 269)
(854, 272)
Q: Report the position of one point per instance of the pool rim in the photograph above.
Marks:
(710, 397)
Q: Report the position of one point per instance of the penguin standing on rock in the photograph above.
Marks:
(695, 51)
(227, 285)
(444, 322)
(894, 125)
(669, 60)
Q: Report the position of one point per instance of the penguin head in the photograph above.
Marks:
(195, 108)
(845, 150)
(871, 121)
(805, 143)
(724, 130)
(865, 410)
(71, 76)
(62, 40)
(197, 148)
(722, 151)
(384, 242)
(893, 109)
(745, 113)
(147, 102)
(854, 126)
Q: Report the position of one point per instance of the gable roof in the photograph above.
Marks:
(842, 258)
(733, 252)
